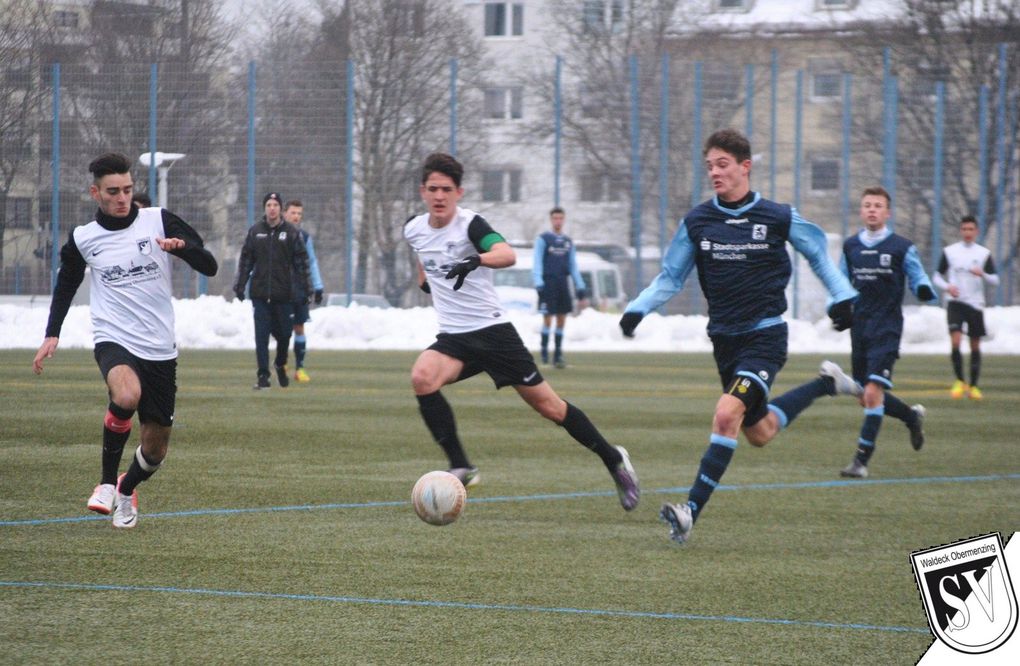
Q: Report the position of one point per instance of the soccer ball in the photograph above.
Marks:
(438, 498)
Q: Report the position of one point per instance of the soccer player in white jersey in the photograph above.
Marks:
(457, 251)
(963, 270)
(128, 250)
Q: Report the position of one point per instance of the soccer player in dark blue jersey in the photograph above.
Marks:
(879, 263)
(555, 263)
(737, 241)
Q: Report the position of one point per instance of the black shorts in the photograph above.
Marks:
(556, 297)
(158, 380)
(959, 313)
(496, 350)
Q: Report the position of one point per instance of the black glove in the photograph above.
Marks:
(462, 268)
(842, 314)
(318, 297)
(426, 287)
(582, 295)
(925, 294)
(629, 321)
(239, 293)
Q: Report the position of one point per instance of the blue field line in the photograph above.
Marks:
(844, 483)
(458, 605)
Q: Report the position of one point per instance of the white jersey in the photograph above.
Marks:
(475, 305)
(131, 292)
(954, 269)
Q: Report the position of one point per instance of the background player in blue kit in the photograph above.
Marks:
(555, 263)
(457, 251)
(737, 241)
(293, 213)
(878, 263)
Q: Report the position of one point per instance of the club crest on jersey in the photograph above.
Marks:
(759, 232)
(967, 593)
(145, 246)
(885, 260)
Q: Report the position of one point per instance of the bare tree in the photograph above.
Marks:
(24, 32)
(402, 53)
(956, 44)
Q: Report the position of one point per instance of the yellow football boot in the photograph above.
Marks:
(959, 390)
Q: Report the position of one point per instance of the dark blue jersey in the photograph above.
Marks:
(880, 269)
(742, 261)
(554, 260)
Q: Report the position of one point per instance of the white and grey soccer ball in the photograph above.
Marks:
(438, 498)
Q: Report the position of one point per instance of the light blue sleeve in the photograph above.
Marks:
(809, 239)
(538, 262)
(916, 277)
(574, 272)
(676, 267)
(313, 264)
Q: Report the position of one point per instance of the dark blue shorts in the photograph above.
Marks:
(301, 313)
(556, 297)
(758, 355)
(496, 350)
(158, 380)
(873, 358)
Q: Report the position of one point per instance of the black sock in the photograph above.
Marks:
(975, 366)
(141, 469)
(584, 431)
(898, 409)
(957, 359)
(116, 432)
(438, 417)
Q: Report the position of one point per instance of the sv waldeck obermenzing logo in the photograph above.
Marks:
(967, 593)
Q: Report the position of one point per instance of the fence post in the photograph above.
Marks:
(1000, 158)
(774, 84)
(663, 153)
(936, 215)
(453, 106)
(55, 177)
(798, 148)
(153, 91)
(844, 200)
(557, 128)
(349, 176)
(635, 169)
(983, 162)
(251, 143)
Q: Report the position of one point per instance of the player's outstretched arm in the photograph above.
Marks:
(46, 350)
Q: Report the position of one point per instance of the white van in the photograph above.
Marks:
(516, 288)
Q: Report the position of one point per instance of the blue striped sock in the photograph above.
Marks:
(713, 466)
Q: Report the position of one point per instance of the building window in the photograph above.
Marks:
(733, 5)
(602, 15)
(501, 185)
(826, 80)
(504, 19)
(597, 187)
(722, 82)
(19, 213)
(835, 4)
(824, 175)
(65, 19)
(504, 103)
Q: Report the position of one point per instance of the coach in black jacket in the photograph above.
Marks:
(274, 258)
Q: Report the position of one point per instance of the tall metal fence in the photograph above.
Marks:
(271, 126)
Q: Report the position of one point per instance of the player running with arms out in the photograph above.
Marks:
(963, 270)
(879, 263)
(128, 250)
(457, 251)
(737, 241)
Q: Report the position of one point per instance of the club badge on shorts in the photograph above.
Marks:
(967, 593)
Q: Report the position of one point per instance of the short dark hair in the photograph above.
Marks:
(142, 199)
(444, 164)
(730, 141)
(968, 219)
(557, 209)
(877, 191)
(293, 202)
(109, 164)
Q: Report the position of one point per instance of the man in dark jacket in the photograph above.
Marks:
(275, 260)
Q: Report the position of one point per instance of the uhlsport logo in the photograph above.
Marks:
(967, 593)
